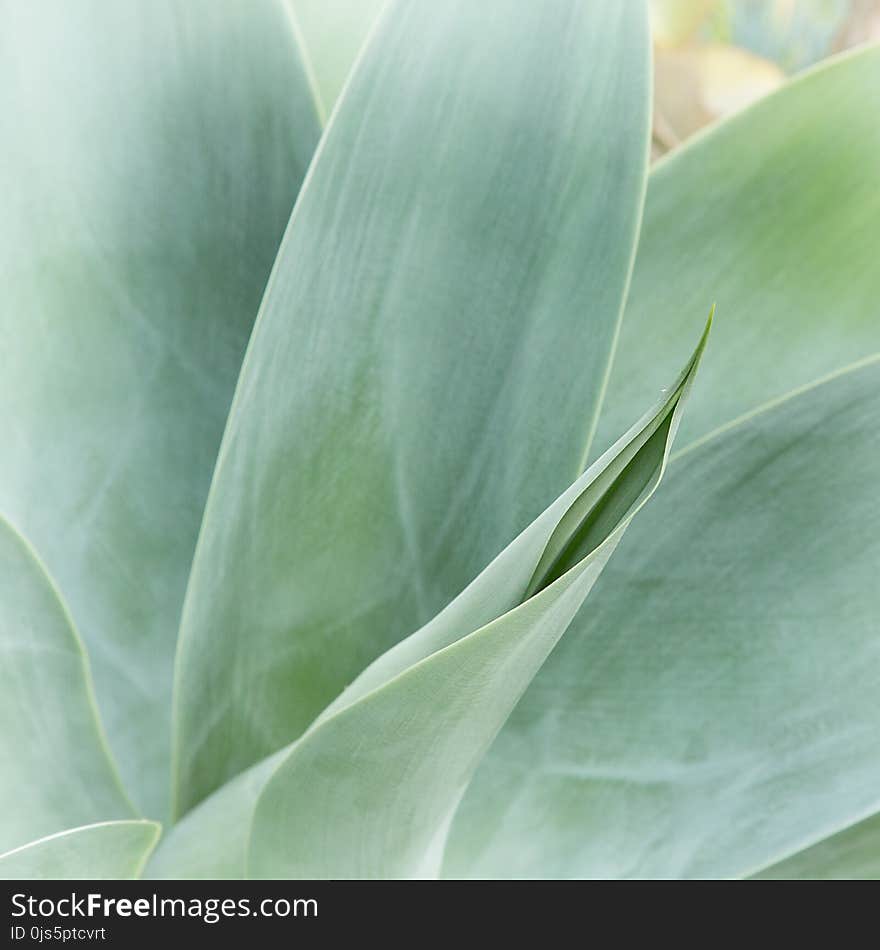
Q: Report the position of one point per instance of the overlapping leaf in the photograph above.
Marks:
(463, 241)
(368, 791)
(151, 153)
(711, 713)
(717, 710)
(211, 841)
(54, 760)
(371, 789)
(112, 850)
(331, 34)
(776, 211)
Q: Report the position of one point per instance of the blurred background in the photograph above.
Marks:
(715, 56)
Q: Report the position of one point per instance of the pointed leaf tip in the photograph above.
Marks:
(620, 482)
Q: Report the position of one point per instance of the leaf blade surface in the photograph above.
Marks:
(716, 706)
(387, 437)
(151, 154)
(54, 759)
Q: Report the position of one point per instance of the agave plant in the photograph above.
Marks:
(281, 577)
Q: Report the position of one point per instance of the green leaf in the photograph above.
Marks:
(381, 744)
(397, 420)
(210, 842)
(716, 710)
(54, 761)
(371, 788)
(575, 526)
(774, 213)
(800, 301)
(111, 850)
(331, 34)
(151, 153)
(851, 854)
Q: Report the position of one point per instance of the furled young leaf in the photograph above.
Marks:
(111, 850)
(331, 34)
(371, 788)
(776, 211)
(577, 524)
(461, 246)
(54, 760)
(405, 759)
(151, 153)
(718, 709)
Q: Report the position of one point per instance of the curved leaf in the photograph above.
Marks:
(111, 850)
(441, 265)
(801, 300)
(775, 211)
(371, 788)
(54, 761)
(514, 621)
(151, 153)
(574, 527)
(717, 709)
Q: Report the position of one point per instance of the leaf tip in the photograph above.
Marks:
(701, 346)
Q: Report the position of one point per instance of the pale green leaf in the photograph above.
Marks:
(461, 246)
(851, 854)
(210, 842)
(577, 524)
(54, 760)
(717, 709)
(150, 153)
(371, 788)
(737, 211)
(774, 213)
(510, 616)
(112, 850)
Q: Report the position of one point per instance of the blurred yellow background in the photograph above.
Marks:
(712, 57)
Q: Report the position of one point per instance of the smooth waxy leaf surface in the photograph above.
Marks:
(370, 790)
(576, 525)
(53, 755)
(736, 211)
(112, 850)
(717, 710)
(381, 744)
(462, 243)
(150, 154)
(775, 211)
